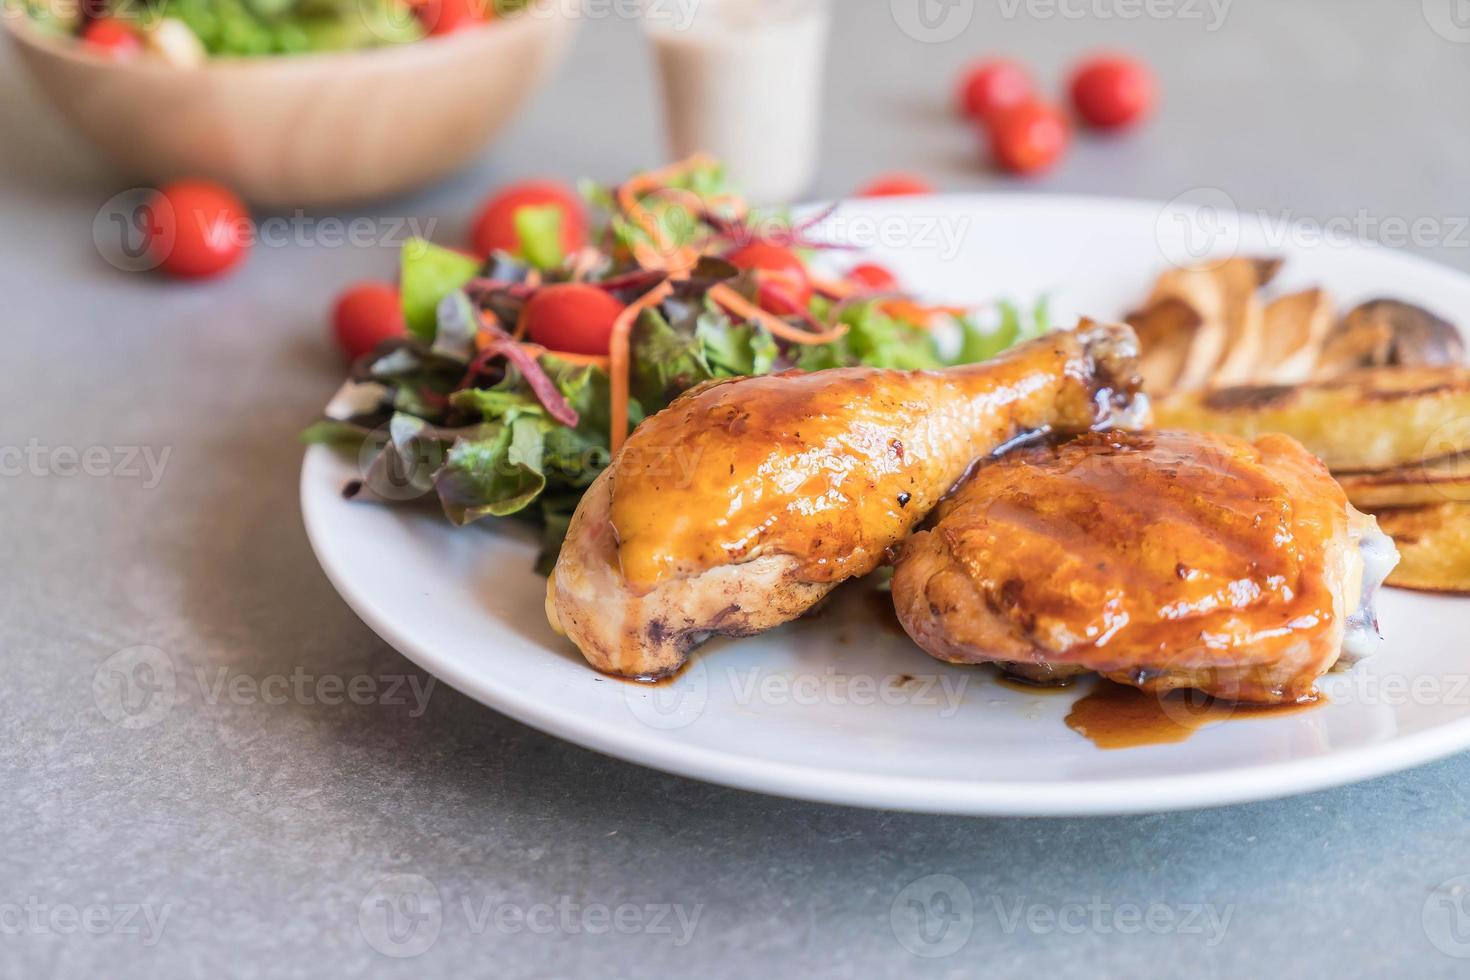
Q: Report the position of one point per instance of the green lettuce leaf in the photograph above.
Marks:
(873, 339)
(493, 476)
(539, 231)
(734, 350)
(430, 272)
(665, 361)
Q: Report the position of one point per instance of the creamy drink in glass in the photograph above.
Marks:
(742, 81)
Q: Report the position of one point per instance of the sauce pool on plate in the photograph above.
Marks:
(1116, 716)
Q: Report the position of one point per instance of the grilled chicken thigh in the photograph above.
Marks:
(1159, 559)
(745, 502)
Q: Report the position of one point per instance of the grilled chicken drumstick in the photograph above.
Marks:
(1159, 559)
(745, 502)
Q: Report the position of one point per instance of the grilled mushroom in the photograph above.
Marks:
(1390, 333)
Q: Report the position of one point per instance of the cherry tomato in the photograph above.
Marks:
(495, 226)
(365, 314)
(872, 276)
(783, 270)
(198, 229)
(447, 16)
(1028, 139)
(896, 185)
(572, 317)
(990, 86)
(1112, 92)
(112, 36)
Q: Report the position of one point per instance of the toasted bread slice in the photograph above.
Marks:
(1374, 419)
(1434, 545)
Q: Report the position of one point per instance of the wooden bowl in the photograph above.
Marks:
(304, 130)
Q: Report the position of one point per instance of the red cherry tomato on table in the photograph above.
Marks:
(198, 229)
(895, 185)
(872, 276)
(572, 317)
(112, 36)
(1113, 92)
(990, 86)
(1028, 139)
(790, 286)
(364, 315)
(441, 17)
(495, 226)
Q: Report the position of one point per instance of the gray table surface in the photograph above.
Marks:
(240, 836)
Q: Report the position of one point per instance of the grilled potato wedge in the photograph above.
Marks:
(1434, 481)
(1165, 332)
(1295, 326)
(1228, 319)
(1434, 545)
(1373, 419)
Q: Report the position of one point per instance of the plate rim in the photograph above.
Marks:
(1072, 798)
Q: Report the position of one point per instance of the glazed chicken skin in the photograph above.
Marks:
(745, 502)
(1162, 560)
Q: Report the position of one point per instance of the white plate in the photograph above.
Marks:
(819, 709)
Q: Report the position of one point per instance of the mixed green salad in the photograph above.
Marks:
(188, 31)
(682, 284)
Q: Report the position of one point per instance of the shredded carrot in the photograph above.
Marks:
(485, 336)
(740, 306)
(834, 288)
(595, 360)
(661, 254)
(917, 314)
(521, 321)
(619, 363)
